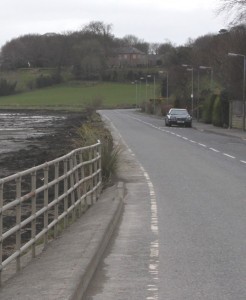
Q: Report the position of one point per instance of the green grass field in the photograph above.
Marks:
(75, 96)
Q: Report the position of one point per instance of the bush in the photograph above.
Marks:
(207, 109)
(48, 80)
(217, 112)
(43, 81)
(7, 88)
(93, 105)
(90, 133)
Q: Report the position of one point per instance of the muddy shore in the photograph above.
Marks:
(30, 138)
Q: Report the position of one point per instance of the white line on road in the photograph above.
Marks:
(215, 150)
(200, 144)
(228, 155)
(194, 142)
(154, 245)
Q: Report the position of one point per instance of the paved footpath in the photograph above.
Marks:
(64, 269)
(224, 131)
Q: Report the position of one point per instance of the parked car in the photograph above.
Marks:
(178, 116)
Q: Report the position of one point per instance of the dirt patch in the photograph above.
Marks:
(31, 138)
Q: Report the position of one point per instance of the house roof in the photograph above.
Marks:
(128, 50)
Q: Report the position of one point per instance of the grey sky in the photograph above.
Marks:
(151, 20)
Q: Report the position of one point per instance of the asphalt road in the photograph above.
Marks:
(191, 221)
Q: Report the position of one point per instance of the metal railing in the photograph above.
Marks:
(39, 202)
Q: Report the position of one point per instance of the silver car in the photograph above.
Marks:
(178, 116)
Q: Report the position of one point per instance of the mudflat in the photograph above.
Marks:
(29, 138)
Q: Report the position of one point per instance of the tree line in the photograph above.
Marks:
(86, 54)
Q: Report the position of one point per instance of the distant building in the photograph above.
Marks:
(128, 56)
(154, 60)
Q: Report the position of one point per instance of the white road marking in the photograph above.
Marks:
(215, 150)
(152, 289)
(200, 144)
(228, 155)
(194, 142)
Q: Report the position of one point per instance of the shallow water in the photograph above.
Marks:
(16, 129)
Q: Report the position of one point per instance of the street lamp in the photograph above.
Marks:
(190, 68)
(146, 86)
(161, 72)
(136, 84)
(140, 89)
(149, 76)
(146, 92)
(244, 67)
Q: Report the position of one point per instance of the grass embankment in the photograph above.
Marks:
(89, 133)
(73, 96)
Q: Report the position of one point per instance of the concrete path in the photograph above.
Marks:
(224, 131)
(64, 269)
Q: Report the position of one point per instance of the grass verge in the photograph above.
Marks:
(88, 134)
(73, 96)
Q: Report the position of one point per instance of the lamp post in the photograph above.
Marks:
(136, 83)
(136, 92)
(146, 88)
(154, 96)
(161, 72)
(190, 68)
(244, 67)
(149, 76)
(146, 93)
(140, 88)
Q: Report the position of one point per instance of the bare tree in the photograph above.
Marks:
(131, 40)
(153, 48)
(235, 11)
(98, 28)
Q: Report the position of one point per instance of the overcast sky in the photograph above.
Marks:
(150, 20)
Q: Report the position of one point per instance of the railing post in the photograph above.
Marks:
(72, 185)
(65, 162)
(100, 165)
(34, 208)
(18, 221)
(91, 179)
(46, 201)
(95, 175)
(56, 197)
(76, 176)
(83, 186)
(1, 231)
